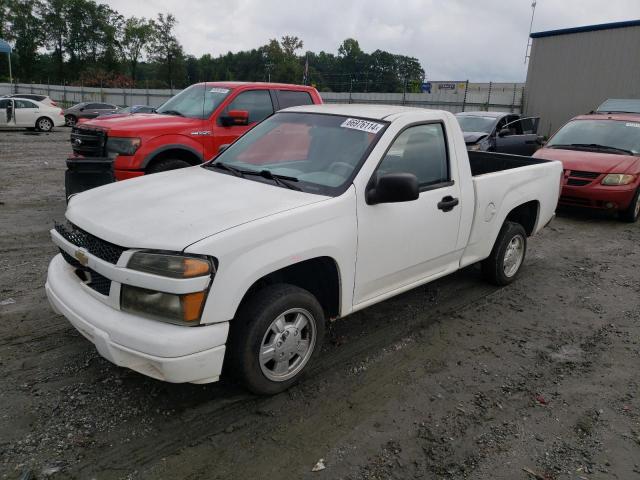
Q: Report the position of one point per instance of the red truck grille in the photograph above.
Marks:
(88, 142)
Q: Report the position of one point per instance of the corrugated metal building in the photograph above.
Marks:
(574, 70)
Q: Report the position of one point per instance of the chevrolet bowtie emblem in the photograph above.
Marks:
(81, 257)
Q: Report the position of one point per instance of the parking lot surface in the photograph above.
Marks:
(457, 379)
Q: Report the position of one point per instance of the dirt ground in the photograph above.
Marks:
(457, 379)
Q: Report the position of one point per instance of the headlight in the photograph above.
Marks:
(174, 266)
(182, 309)
(123, 145)
(618, 179)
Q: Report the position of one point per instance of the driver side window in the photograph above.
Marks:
(256, 102)
(420, 150)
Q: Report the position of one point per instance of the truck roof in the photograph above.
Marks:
(230, 84)
(378, 112)
(484, 114)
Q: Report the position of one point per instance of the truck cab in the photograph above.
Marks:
(187, 129)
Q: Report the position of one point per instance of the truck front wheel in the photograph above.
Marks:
(507, 256)
(168, 164)
(274, 337)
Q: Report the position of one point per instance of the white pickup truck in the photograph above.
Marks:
(317, 212)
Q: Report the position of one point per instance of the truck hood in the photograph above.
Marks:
(171, 210)
(141, 122)
(591, 161)
(473, 137)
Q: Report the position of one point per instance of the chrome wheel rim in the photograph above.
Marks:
(44, 125)
(70, 121)
(287, 344)
(513, 256)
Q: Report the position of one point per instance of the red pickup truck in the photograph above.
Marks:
(186, 130)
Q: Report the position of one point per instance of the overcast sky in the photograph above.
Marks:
(479, 40)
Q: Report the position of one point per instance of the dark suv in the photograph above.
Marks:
(87, 110)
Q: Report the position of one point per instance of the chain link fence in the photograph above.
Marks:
(444, 95)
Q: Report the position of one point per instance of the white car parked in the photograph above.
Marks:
(315, 213)
(26, 113)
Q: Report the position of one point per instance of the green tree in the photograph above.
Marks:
(53, 14)
(26, 30)
(164, 46)
(136, 36)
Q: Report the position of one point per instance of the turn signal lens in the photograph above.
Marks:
(618, 179)
(174, 266)
(192, 306)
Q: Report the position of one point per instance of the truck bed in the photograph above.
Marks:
(490, 162)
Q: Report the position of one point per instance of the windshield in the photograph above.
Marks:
(316, 153)
(197, 101)
(595, 134)
(470, 123)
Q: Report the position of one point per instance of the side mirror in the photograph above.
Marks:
(222, 148)
(392, 188)
(82, 109)
(505, 132)
(235, 118)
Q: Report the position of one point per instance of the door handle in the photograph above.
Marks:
(447, 203)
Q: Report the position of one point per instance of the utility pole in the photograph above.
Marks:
(527, 51)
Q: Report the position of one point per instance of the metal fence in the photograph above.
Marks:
(447, 95)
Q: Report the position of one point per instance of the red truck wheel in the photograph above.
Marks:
(168, 164)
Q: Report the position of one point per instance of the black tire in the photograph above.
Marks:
(632, 213)
(70, 120)
(167, 164)
(44, 124)
(252, 325)
(493, 267)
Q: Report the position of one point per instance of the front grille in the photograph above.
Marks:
(99, 283)
(101, 249)
(580, 174)
(576, 182)
(88, 142)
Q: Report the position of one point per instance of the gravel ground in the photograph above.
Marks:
(457, 379)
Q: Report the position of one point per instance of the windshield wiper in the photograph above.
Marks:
(282, 180)
(593, 146)
(223, 166)
(172, 112)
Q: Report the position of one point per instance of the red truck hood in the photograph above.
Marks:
(140, 122)
(591, 161)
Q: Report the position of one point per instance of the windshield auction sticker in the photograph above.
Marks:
(362, 125)
(637, 125)
(219, 90)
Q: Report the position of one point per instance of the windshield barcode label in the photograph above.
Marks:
(362, 125)
(219, 90)
(637, 125)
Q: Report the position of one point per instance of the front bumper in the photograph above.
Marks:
(160, 350)
(598, 196)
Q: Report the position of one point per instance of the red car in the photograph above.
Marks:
(600, 153)
(186, 130)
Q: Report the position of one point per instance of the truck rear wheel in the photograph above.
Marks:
(168, 164)
(507, 256)
(632, 213)
(274, 337)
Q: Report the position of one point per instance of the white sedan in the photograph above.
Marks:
(25, 113)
